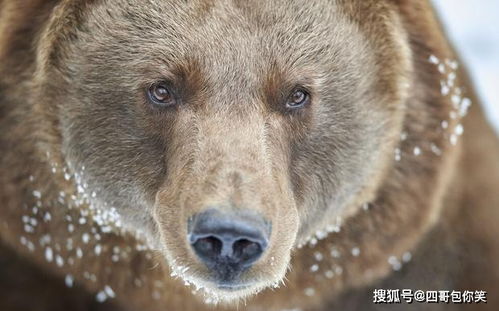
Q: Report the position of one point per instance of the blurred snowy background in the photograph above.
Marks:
(473, 26)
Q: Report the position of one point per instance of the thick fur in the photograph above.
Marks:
(373, 185)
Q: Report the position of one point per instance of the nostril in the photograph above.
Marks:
(228, 242)
(247, 251)
(209, 247)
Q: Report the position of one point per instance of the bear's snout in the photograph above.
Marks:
(228, 242)
(225, 213)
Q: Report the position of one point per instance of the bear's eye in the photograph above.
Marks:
(298, 99)
(160, 94)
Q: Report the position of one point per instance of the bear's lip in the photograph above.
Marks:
(230, 287)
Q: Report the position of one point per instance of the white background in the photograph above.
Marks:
(473, 26)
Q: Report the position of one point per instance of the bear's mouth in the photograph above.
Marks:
(229, 287)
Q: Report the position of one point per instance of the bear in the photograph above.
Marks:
(240, 155)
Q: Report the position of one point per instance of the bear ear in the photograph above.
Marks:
(21, 21)
(418, 11)
(409, 4)
(404, 2)
(60, 28)
(415, 7)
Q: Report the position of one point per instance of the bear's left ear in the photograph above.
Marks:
(404, 2)
(408, 5)
(412, 7)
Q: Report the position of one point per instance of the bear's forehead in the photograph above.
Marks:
(237, 26)
(235, 38)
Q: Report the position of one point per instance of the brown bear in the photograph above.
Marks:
(241, 155)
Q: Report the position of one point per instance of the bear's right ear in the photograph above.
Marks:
(20, 25)
(24, 17)
(60, 30)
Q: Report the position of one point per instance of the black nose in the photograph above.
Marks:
(228, 242)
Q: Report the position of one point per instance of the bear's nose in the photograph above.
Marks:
(228, 242)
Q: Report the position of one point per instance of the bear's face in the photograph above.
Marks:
(226, 132)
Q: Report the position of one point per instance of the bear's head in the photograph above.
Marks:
(226, 132)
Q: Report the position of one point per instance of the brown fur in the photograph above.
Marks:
(72, 75)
